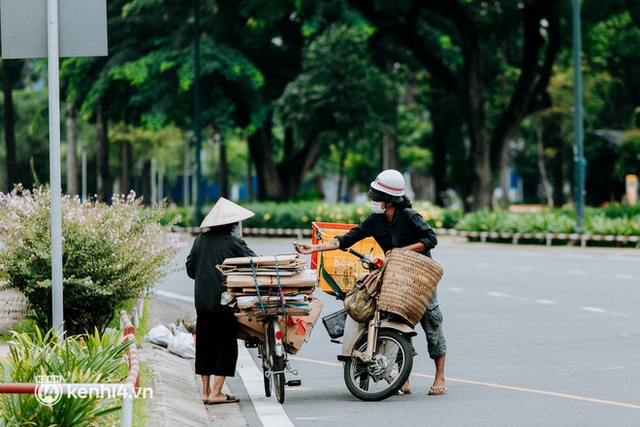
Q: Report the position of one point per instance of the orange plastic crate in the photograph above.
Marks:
(342, 266)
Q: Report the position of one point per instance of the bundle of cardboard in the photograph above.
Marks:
(275, 284)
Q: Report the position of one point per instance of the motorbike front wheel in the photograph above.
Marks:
(387, 371)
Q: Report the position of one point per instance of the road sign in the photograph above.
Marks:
(82, 28)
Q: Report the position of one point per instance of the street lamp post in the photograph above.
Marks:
(196, 112)
(578, 150)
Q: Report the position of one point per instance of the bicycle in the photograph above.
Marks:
(274, 358)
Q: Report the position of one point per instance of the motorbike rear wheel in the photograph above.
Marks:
(387, 371)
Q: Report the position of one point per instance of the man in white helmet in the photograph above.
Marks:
(394, 224)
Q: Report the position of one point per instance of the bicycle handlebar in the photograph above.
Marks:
(356, 253)
(368, 262)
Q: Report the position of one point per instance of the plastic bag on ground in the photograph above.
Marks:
(183, 345)
(160, 335)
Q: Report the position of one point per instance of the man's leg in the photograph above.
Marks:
(431, 322)
(438, 386)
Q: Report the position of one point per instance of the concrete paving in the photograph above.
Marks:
(177, 391)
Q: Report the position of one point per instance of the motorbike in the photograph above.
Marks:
(378, 361)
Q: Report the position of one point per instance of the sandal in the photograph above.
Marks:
(229, 399)
(437, 391)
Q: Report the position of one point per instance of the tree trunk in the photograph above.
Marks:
(126, 164)
(224, 171)
(145, 183)
(481, 187)
(390, 153)
(341, 184)
(423, 186)
(250, 192)
(260, 150)
(280, 182)
(8, 121)
(547, 190)
(71, 123)
(102, 153)
(448, 146)
(552, 127)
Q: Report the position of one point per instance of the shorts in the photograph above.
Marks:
(432, 324)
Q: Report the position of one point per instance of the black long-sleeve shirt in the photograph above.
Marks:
(210, 249)
(405, 228)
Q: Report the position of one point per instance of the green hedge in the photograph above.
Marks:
(302, 214)
(614, 219)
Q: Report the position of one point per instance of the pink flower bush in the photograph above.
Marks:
(111, 253)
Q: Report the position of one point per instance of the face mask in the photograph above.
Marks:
(376, 207)
(236, 231)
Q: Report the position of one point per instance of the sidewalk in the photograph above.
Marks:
(177, 391)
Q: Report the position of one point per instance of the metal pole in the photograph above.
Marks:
(54, 165)
(196, 109)
(578, 157)
(84, 171)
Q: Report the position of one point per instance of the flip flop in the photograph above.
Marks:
(229, 399)
(437, 391)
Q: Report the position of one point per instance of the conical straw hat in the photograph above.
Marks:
(225, 212)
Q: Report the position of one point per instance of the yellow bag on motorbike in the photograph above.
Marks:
(360, 301)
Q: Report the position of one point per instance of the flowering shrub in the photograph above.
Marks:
(111, 253)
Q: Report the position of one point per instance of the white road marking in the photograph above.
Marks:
(503, 295)
(603, 311)
(268, 409)
(624, 276)
(455, 289)
(545, 301)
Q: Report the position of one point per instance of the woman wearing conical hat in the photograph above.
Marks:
(216, 325)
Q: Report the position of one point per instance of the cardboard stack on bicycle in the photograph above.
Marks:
(274, 284)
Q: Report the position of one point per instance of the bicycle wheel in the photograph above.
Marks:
(276, 362)
(278, 379)
(264, 355)
(387, 371)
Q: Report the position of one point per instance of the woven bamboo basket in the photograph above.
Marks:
(408, 283)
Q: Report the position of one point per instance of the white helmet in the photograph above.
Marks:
(389, 182)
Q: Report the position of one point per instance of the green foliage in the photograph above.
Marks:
(339, 91)
(111, 253)
(629, 159)
(92, 358)
(621, 210)
(556, 221)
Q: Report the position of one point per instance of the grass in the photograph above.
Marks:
(27, 325)
(140, 405)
